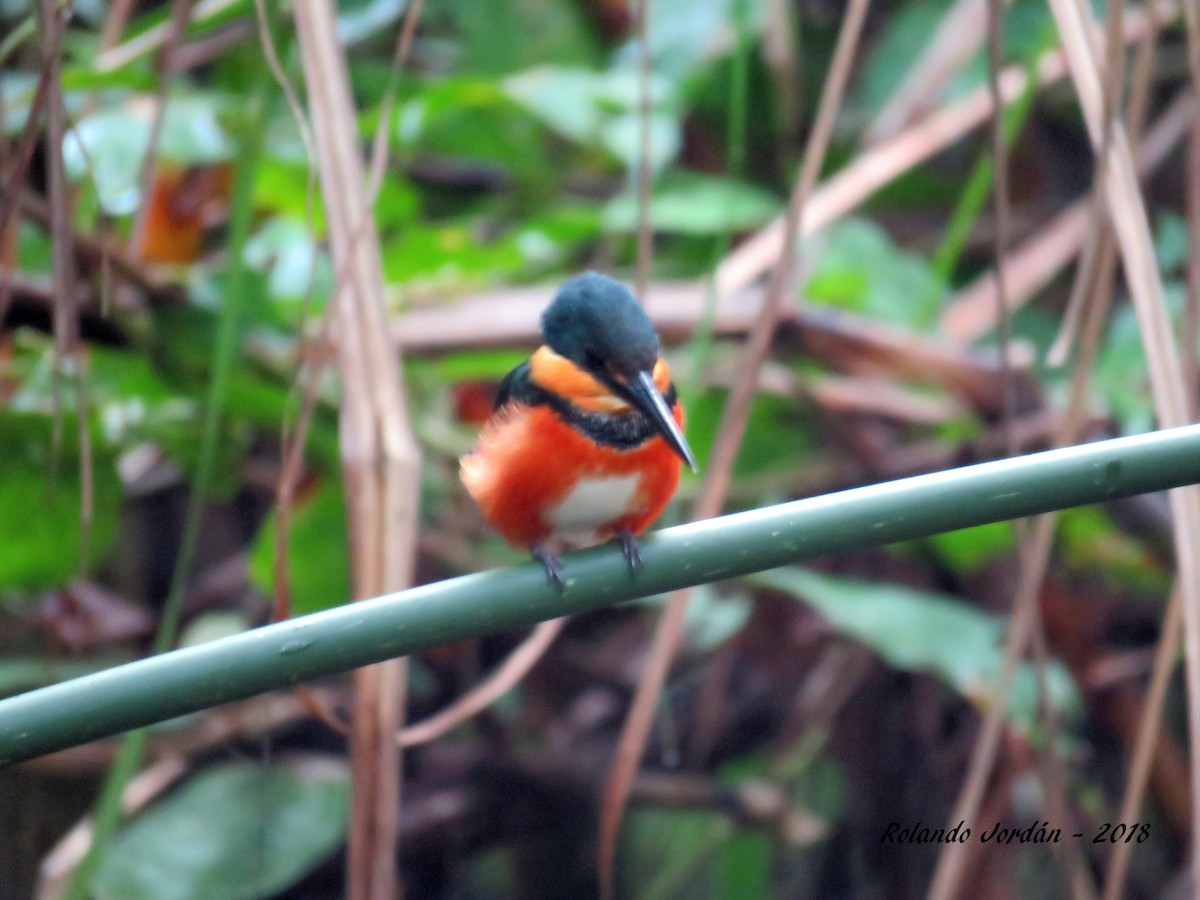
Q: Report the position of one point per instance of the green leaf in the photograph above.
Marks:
(109, 146)
(1121, 374)
(1171, 242)
(235, 831)
(922, 631)
(712, 617)
(285, 250)
(908, 32)
(622, 137)
(454, 254)
(213, 625)
(970, 548)
(474, 119)
(358, 20)
(673, 853)
(501, 36)
(1092, 543)
(686, 34)
(861, 269)
(691, 203)
(904, 34)
(318, 560)
(777, 434)
(564, 99)
(40, 501)
(600, 109)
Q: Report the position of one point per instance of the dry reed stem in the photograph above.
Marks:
(293, 444)
(879, 165)
(380, 456)
(1129, 218)
(634, 733)
(953, 858)
(1191, 316)
(1150, 723)
(1191, 324)
(1171, 400)
(951, 863)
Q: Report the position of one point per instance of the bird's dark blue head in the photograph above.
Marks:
(599, 325)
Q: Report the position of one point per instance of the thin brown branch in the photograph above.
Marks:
(1147, 739)
(18, 166)
(93, 252)
(379, 143)
(292, 444)
(632, 742)
(645, 178)
(68, 358)
(1035, 262)
(1000, 204)
(510, 673)
(1099, 249)
(868, 347)
(180, 13)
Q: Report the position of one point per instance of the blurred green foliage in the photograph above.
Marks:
(514, 148)
(273, 824)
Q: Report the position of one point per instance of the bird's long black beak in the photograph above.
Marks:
(647, 398)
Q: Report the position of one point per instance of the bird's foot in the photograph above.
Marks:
(551, 562)
(630, 549)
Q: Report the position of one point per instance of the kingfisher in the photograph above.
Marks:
(585, 442)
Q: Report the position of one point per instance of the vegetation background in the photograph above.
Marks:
(169, 411)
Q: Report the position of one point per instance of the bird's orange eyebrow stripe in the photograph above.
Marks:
(559, 375)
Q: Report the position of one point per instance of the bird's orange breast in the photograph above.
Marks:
(537, 478)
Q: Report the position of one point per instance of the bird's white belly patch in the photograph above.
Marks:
(592, 502)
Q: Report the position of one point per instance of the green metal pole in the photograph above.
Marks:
(275, 656)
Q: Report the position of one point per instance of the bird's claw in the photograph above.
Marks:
(630, 550)
(551, 563)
